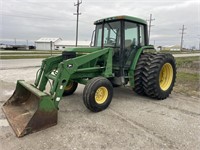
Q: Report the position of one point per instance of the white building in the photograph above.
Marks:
(2, 46)
(57, 44)
(46, 43)
(171, 48)
(61, 45)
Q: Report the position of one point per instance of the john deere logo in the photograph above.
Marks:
(69, 65)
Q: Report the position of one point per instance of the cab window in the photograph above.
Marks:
(131, 35)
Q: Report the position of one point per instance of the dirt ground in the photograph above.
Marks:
(130, 122)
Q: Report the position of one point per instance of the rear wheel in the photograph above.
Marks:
(166, 76)
(138, 75)
(97, 94)
(70, 88)
(159, 76)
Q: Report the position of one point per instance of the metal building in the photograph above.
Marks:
(62, 45)
(46, 43)
(171, 48)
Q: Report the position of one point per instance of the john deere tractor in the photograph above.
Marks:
(116, 57)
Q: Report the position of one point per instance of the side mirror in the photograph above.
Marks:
(92, 39)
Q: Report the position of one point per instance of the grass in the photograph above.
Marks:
(187, 83)
(179, 52)
(186, 61)
(188, 76)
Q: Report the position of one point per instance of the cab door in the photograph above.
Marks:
(133, 40)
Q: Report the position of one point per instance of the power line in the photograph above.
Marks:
(150, 25)
(29, 17)
(182, 33)
(77, 18)
(28, 13)
(38, 17)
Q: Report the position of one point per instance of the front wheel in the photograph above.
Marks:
(70, 88)
(97, 94)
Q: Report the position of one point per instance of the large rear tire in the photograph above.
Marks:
(97, 94)
(159, 76)
(138, 75)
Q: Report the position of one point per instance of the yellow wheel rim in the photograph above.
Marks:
(166, 76)
(101, 95)
(69, 86)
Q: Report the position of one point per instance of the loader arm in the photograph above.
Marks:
(31, 108)
(71, 69)
(47, 66)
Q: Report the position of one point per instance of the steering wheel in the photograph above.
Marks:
(111, 41)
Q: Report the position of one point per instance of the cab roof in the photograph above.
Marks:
(115, 18)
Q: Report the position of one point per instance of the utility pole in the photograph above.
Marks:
(182, 32)
(77, 18)
(199, 41)
(27, 44)
(150, 25)
(51, 46)
(15, 41)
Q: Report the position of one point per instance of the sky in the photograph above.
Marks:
(32, 19)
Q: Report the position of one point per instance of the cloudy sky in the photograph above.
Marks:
(32, 19)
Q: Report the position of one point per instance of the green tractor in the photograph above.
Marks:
(116, 57)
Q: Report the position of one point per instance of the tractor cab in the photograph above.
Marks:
(125, 35)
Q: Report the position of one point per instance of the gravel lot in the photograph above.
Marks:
(131, 121)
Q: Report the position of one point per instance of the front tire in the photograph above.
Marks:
(97, 94)
(70, 88)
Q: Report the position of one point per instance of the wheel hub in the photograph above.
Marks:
(101, 95)
(166, 76)
(69, 86)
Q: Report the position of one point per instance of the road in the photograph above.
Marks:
(186, 55)
(19, 63)
(130, 122)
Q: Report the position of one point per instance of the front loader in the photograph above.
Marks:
(116, 57)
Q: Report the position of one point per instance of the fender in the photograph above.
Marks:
(135, 61)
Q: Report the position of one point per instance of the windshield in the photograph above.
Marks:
(111, 35)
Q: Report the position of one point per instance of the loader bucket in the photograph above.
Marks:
(29, 110)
